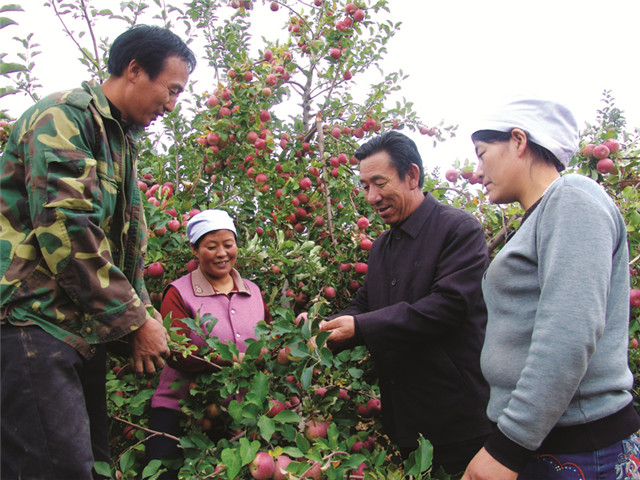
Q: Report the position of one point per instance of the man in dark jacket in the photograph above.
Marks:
(420, 311)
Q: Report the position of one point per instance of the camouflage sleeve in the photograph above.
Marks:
(72, 201)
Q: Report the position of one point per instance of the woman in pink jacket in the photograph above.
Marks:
(214, 288)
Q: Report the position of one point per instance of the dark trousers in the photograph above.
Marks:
(163, 448)
(54, 410)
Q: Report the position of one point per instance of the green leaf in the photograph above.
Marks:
(152, 468)
(287, 416)
(292, 452)
(6, 68)
(260, 386)
(235, 410)
(305, 379)
(5, 22)
(127, 461)
(267, 427)
(231, 459)
(11, 8)
(302, 443)
(248, 450)
(102, 468)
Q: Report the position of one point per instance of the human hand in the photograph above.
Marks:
(150, 346)
(484, 467)
(342, 329)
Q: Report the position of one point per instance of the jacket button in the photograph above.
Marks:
(394, 282)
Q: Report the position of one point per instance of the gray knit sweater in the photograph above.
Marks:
(557, 294)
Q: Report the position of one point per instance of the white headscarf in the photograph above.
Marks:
(209, 221)
(547, 123)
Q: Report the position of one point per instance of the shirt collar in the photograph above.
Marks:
(414, 223)
(203, 288)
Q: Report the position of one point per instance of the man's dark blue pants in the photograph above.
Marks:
(54, 413)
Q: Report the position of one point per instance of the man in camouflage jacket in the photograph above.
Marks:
(72, 246)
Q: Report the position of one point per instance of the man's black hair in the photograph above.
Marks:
(150, 46)
(402, 150)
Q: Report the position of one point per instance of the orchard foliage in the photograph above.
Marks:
(270, 138)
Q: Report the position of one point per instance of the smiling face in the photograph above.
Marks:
(148, 99)
(394, 199)
(501, 170)
(217, 252)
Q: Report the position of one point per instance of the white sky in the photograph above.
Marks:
(462, 57)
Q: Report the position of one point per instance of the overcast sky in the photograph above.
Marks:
(462, 57)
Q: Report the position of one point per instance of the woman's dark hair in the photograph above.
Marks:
(150, 46)
(538, 151)
(402, 150)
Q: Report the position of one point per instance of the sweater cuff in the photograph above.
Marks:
(506, 451)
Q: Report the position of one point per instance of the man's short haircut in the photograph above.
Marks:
(150, 46)
(402, 150)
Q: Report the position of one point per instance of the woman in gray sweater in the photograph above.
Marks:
(557, 295)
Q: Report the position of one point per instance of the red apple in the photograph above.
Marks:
(605, 165)
(213, 101)
(192, 265)
(336, 132)
(612, 145)
(345, 267)
(335, 53)
(173, 225)
(262, 467)
(283, 356)
(350, 8)
(305, 183)
(320, 391)
(276, 406)
(588, 150)
(361, 267)
(329, 292)
(634, 297)
(451, 175)
(265, 116)
(314, 472)
(252, 137)
(343, 395)
(365, 244)
(316, 429)
(155, 270)
(358, 15)
(280, 472)
(274, 7)
(374, 406)
(347, 75)
(601, 151)
(363, 223)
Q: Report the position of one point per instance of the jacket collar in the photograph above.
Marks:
(203, 288)
(412, 225)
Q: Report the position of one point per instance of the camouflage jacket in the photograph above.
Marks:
(72, 228)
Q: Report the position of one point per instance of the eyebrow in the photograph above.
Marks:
(376, 178)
